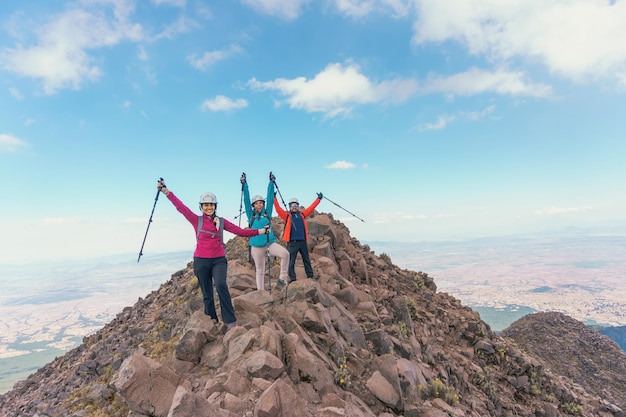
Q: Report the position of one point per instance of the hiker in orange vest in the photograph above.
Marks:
(296, 234)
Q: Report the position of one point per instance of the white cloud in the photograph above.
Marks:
(441, 123)
(181, 25)
(338, 88)
(58, 221)
(476, 81)
(477, 115)
(174, 3)
(335, 90)
(285, 9)
(341, 165)
(10, 143)
(576, 39)
(142, 55)
(561, 210)
(383, 218)
(223, 103)
(360, 8)
(59, 56)
(208, 59)
(16, 94)
(134, 220)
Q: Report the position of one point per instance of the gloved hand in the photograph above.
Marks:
(243, 178)
(272, 177)
(320, 195)
(162, 187)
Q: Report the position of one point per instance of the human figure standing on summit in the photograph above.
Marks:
(296, 234)
(259, 216)
(209, 259)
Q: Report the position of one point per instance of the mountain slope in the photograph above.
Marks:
(575, 350)
(618, 334)
(367, 339)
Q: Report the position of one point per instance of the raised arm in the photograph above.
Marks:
(270, 195)
(307, 211)
(246, 198)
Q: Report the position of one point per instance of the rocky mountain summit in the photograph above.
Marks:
(366, 339)
(574, 350)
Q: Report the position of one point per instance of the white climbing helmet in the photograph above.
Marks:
(257, 198)
(294, 200)
(208, 198)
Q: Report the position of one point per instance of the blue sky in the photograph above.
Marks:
(429, 119)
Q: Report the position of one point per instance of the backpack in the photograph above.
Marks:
(260, 215)
(220, 234)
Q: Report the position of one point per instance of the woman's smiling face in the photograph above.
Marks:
(208, 208)
(258, 205)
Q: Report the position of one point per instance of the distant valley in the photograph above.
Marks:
(580, 274)
(44, 318)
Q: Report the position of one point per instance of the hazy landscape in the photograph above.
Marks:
(48, 308)
(579, 273)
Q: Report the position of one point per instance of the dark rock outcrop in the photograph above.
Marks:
(575, 350)
(367, 339)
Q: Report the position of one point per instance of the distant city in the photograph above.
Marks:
(580, 274)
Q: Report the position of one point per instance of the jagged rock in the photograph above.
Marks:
(264, 365)
(197, 333)
(280, 400)
(368, 339)
(147, 386)
(383, 390)
(185, 403)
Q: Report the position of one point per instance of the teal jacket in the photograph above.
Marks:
(259, 220)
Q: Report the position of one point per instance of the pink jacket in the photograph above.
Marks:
(209, 245)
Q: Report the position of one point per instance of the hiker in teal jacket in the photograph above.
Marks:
(259, 215)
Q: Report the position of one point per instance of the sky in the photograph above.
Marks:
(419, 120)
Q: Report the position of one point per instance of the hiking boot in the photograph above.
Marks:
(314, 277)
(281, 283)
(231, 326)
(291, 280)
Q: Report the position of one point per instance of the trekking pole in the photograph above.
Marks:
(150, 219)
(269, 266)
(343, 208)
(281, 196)
(243, 181)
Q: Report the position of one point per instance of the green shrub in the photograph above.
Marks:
(343, 376)
(386, 258)
(437, 389)
(571, 408)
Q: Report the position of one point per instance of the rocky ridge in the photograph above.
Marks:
(367, 339)
(575, 350)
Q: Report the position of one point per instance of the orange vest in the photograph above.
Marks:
(285, 215)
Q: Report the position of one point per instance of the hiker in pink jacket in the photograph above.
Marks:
(209, 258)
